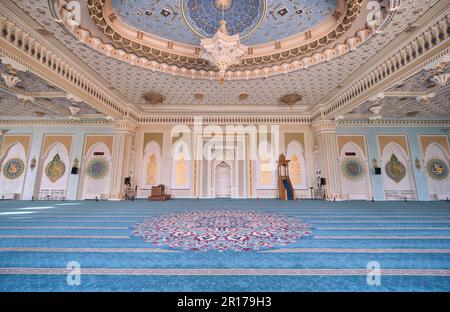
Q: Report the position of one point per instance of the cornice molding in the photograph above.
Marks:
(19, 46)
(223, 119)
(23, 123)
(394, 123)
(412, 57)
(287, 61)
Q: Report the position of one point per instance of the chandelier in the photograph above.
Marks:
(222, 50)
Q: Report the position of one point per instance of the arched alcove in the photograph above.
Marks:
(96, 173)
(437, 170)
(222, 179)
(54, 172)
(181, 166)
(266, 169)
(297, 165)
(398, 178)
(354, 173)
(151, 165)
(13, 169)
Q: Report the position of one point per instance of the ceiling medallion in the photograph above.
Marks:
(153, 97)
(291, 99)
(223, 50)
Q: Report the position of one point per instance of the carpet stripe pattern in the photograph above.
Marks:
(409, 241)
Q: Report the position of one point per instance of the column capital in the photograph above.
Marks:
(125, 126)
(321, 126)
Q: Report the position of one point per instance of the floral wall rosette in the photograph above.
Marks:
(97, 168)
(353, 169)
(437, 169)
(13, 168)
(55, 169)
(395, 169)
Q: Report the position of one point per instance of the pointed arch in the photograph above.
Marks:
(266, 166)
(53, 175)
(297, 164)
(152, 163)
(358, 188)
(404, 187)
(438, 188)
(96, 185)
(12, 184)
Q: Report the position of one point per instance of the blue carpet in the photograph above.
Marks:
(410, 241)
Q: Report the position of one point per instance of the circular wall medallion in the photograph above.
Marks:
(97, 168)
(437, 169)
(221, 230)
(353, 169)
(13, 168)
(242, 16)
(395, 169)
(55, 169)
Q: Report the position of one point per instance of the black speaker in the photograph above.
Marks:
(74, 170)
(323, 181)
(378, 171)
(127, 181)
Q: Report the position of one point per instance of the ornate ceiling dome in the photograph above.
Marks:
(281, 36)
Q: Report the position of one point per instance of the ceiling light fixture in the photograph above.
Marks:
(223, 50)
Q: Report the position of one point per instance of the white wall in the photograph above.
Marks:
(407, 183)
(437, 189)
(360, 189)
(61, 183)
(96, 188)
(10, 186)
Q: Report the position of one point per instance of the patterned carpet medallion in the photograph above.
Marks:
(221, 230)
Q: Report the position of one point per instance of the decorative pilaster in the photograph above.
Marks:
(325, 131)
(122, 160)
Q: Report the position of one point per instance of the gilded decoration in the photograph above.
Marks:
(152, 170)
(187, 56)
(295, 170)
(395, 169)
(97, 168)
(437, 169)
(55, 169)
(13, 168)
(353, 169)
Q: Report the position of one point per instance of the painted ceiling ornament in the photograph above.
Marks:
(291, 99)
(395, 169)
(97, 168)
(437, 169)
(13, 168)
(353, 169)
(221, 230)
(55, 169)
(223, 50)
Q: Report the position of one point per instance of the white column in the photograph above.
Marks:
(325, 130)
(77, 153)
(31, 178)
(121, 157)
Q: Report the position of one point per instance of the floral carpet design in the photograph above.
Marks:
(221, 230)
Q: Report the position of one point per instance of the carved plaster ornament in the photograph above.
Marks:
(441, 79)
(74, 110)
(375, 109)
(291, 99)
(154, 97)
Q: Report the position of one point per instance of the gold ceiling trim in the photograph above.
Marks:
(255, 67)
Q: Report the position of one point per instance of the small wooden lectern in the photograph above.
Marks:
(158, 193)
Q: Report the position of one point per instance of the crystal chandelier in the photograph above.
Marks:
(222, 50)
